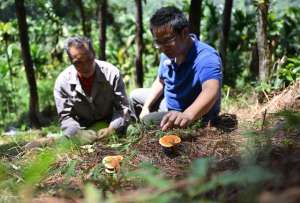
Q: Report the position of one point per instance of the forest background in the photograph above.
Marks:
(235, 29)
(258, 41)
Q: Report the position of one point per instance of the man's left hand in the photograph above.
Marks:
(175, 119)
(104, 132)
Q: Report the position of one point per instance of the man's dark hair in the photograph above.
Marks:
(78, 42)
(169, 15)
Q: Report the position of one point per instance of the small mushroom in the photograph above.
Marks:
(112, 163)
(169, 140)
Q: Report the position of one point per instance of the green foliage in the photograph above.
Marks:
(70, 169)
(289, 72)
(264, 87)
(292, 119)
(241, 42)
(289, 32)
(46, 58)
(151, 176)
(95, 173)
(3, 171)
(285, 72)
(243, 177)
(284, 36)
(133, 134)
(210, 31)
(46, 43)
(200, 167)
(50, 22)
(38, 168)
(197, 183)
(91, 194)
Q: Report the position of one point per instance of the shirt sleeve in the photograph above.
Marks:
(211, 69)
(121, 113)
(63, 105)
(161, 66)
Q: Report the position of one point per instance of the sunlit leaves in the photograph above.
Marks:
(38, 168)
(91, 194)
(292, 119)
(151, 176)
(200, 167)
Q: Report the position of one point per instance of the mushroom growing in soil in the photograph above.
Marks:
(168, 142)
(112, 163)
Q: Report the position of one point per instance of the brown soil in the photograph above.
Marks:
(199, 143)
(221, 140)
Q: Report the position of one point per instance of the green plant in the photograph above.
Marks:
(288, 72)
(291, 118)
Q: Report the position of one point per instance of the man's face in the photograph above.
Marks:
(83, 60)
(168, 41)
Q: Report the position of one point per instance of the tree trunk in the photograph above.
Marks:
(5, 38)
(225, 31)
(86, 27)
(102, 26)
(12, 89)
(23, 34)
(254, 65)
(195, 13)
(262, 40)
(139, 44)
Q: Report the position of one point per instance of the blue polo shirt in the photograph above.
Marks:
(183, 83)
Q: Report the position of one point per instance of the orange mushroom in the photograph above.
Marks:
(112, 163)
(169, 140)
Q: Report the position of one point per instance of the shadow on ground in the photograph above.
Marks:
(226, 122)
(11, 149)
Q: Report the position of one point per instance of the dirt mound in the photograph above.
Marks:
(251, 109)
(289, 98)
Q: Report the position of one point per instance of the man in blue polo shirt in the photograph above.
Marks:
(188, 85)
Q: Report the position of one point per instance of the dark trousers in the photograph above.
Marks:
(158, 109)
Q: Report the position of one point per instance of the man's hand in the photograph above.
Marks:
(145, 111)
(104, 132)
(85, 136)
(175, 119)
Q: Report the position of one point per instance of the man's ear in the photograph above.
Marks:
(185, 32)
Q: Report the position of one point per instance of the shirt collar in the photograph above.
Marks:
(74, 79)
(193, 51)
(99, 75)
(73, 76)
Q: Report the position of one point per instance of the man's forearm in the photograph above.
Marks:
(69, 126)
(156, 92)
(205, 101)
(119, 121)
(121, 112)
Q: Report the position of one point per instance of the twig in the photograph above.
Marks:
(264, 120)
(266, 95)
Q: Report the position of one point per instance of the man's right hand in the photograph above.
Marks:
(145, 111)
(175, 119)
(85, 136)
(104, 132)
